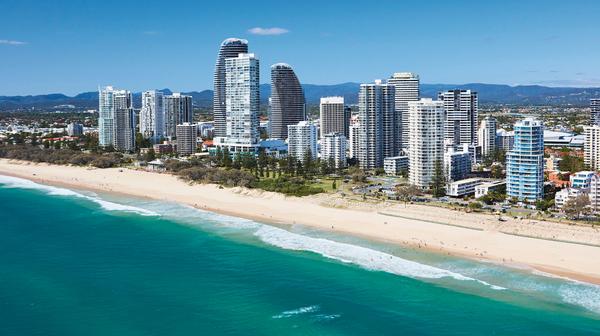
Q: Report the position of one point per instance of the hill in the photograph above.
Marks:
(488, 94)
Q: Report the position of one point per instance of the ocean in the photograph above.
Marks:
(79, 263)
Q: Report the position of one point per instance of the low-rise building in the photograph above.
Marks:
(489, 186)
(457, 165)
(553, 163)
(395, 165)
(581, 180)
(75, 129)
(559, 179)
(164, 148)
(564, 195)
(464, 187)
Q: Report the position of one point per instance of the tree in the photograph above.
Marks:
(544, 205)
(226, 158)
(141, 142)
(218, 157)
(577, 206)
(248, 161)
(406, 193)
(496, 171)
(438, 182)
(358, 176)
(475, 205)
(571, 163)
(150, 155)
(237, 161)
(308, 163)
(263, 161)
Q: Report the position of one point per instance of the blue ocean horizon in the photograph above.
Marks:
(75, 262)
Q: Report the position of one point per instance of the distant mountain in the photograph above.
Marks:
(488, 94)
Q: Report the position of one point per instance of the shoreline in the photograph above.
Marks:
(478, 238)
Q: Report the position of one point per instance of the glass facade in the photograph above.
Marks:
(525, 162)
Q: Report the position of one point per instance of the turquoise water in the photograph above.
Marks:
(77, 263)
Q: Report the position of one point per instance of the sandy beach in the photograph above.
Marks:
(566, 250)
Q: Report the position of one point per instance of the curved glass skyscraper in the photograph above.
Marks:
(230, 48)
(287, 100)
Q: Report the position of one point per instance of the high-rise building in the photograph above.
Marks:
(427, 120)
(287, 100)
(525, 162)
(505, 140)
(106, 115)
(354, 144)
(487, 136)
(595, 112)
(116, 123)
(335, 116)
(178, 110)
(407, 90)
(124, 122)
(461, 110)
(186, 138)
(378, 128)
(333, 148)
(302, 138)
(152, 115)
(231, 47)
(242, 103)
(591, 147)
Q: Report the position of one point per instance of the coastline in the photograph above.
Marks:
(570, 253)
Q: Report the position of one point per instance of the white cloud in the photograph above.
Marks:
(11, 42)
(268, 31)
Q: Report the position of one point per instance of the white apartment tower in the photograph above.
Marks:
(302, 138)
(353, 150)
(595, 112)
(486, 138)
(116, 123)
(178, 110)
(333, 148)
(426, 140)
(186, 138)
(106, 115)
(407, 90)
(152, 115)
(242, 102)
(378, 125)
(591, 147)
(461, 110)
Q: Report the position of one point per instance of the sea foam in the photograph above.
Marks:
(19, 183)
(364, 257)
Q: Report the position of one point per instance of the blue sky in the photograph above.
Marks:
(74, 46)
